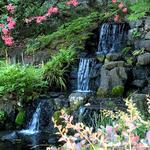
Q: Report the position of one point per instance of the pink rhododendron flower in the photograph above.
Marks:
(114, 1)
(11, 25)
(2, 25)
(125, 10)
(8, 40)
(5, 31)
(10, 8)
(9, 19)
(121, 5)
(52, 10)
(116, 18)
(72, 2)
(39, 19)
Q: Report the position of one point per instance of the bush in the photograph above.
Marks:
(57, 68)
(129, 131)
(21, 83)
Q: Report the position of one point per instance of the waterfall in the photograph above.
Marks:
(33, 126)
(112, 38)
(86, 66)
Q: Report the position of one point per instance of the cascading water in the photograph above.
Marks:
(86, 66)
(33, 126)
(112, 38)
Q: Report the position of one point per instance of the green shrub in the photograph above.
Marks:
(138, 9)
(118, 90)
(20, 117)
(57, 68)
(21, 83)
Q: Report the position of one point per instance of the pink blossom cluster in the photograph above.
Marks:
(10, 8)
(72, 2)
(121, 6)
(39, 19)
(6, 28)
(50, 11)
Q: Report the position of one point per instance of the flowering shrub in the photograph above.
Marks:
(7, 26)
(51, 10)
(123, 134)
(9, 23)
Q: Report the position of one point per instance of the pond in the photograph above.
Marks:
(15, 140)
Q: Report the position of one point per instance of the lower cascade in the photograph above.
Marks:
(84, 72)
(33, 126)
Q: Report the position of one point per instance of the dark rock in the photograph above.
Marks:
(60, 103)
(111, 79)
(142, 44)
(118, 76)
(146, 90)
(143, 59)
(74, 73)
(138, 83)
(147, 36)
(105, 79)
(55, 94)
(135, 24)
(147, 23)
(113, 56)
(73, 84)
(113, 64)
(81, 54)
(139, 73)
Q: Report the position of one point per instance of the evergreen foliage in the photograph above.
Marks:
(139, 9)
(74, 32)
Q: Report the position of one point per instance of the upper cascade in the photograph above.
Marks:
(112, 37)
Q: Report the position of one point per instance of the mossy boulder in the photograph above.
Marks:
(118, 90)
(103, 93)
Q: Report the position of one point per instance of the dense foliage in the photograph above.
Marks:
(139, 9)
(57, 68)
(20, 82)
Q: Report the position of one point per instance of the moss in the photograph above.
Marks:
(118, 90)
(102, 93)
(20, 117)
